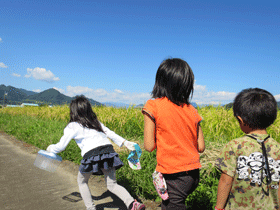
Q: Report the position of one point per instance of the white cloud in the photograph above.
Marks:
(41, 74)
(203, 96)
(100, 92)
(16, 75)
(37, 90)
(102, 95)
(199, 88)
(0, 39)
(118, 91)
(277, 97)
(2, 65)
(78, 90)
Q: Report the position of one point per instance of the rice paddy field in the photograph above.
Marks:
(42, 126)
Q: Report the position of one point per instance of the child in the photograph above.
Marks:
(250, 165)
(172, 126)
(98, 154)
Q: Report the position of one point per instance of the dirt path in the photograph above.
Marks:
(25, 187)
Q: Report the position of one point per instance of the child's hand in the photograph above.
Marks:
(48, 149)
(129, 145)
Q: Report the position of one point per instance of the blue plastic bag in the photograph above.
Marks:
(134, 158)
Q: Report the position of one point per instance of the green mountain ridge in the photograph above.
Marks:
(49, 96)
(13, 94)
(29, 93)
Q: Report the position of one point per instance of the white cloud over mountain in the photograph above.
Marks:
(41, 74)
(102, 95)
(201, 95)
(37, 90)
(277, 97)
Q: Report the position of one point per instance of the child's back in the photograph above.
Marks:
(176, 135)
(242, 158)
(250, 165)
(172, 128)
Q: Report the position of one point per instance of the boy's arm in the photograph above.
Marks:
(224, 188)
(200, 140)
(149, 134)
(279, 196)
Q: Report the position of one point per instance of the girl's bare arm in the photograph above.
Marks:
(149, 134)
(200, 140)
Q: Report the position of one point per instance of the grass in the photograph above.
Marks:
(42, 126)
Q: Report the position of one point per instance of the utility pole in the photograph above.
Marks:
(4, 97)
(5, 94)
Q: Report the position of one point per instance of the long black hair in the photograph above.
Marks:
(82, 113)
(174, 80)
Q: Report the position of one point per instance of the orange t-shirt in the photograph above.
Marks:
(176, 135)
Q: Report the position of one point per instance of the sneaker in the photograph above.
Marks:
(138, 206)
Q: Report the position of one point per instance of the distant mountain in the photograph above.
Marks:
(14, 95)
(194, 104)
(27, 92)
(122, 105)
(109, 104)
(50, 96)
(116, 104)
(228, 106)
(95, 103)
(139, 106)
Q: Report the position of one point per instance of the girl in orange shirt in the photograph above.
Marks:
(172, 127)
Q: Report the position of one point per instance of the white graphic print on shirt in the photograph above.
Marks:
(256, 163)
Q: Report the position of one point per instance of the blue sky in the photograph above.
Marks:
(110, 50)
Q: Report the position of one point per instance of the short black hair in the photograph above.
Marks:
(174, 80)
(256, 107)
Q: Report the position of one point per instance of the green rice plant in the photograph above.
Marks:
(205, 195)
(42, 126)
(218, 125)
(39, 132)
(128, 123)
(139, 182)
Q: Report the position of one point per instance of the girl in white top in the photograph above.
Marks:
(98, 154)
